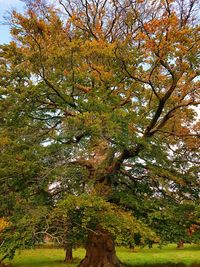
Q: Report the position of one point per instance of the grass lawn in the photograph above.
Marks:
(45, 257)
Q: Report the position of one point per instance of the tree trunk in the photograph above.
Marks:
(68, 254)
(180, 244)
(100, 251)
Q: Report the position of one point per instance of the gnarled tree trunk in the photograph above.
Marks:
(68, 254)
(100, 251)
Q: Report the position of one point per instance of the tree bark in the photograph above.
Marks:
(180, 244)
(68, 254)
(100, 251)
(132, 249)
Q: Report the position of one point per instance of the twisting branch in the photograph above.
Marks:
(150, 82)
(170, 115)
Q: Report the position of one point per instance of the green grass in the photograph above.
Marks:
(45, 257)
(169, 254)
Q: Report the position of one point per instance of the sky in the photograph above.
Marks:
(5, 7)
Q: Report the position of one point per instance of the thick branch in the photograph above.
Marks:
(170, 115)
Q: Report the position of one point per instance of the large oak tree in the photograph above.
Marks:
(104, 91)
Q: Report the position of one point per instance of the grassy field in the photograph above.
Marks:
(54, 257)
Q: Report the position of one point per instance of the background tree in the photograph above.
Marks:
(179, 228)
(106, 88)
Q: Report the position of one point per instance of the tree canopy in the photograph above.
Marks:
(98, 106)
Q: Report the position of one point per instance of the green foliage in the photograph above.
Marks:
(23, 228)
(85, 213)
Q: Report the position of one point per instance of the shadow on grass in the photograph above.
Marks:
(187, 248)
(44, 263)
(165, 265)
(76, 262)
